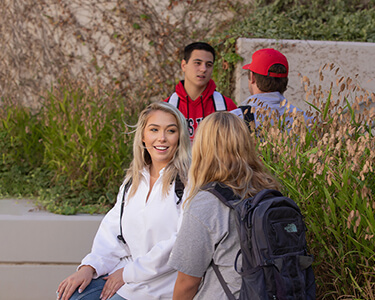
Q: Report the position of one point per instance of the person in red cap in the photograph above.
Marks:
(196, 96)
(268, 80)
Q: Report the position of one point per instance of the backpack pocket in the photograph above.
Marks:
(294, 277)
(286, 232)
(254, 284)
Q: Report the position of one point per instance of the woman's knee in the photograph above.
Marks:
(91, 292)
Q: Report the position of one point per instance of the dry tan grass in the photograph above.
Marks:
(328, 168)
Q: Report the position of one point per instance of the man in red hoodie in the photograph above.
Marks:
(195, 96)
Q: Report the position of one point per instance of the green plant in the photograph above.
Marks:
(85, 136)
(21, 152)
(327, 167)
(72, 152)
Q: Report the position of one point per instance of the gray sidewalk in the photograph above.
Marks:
(39, 249)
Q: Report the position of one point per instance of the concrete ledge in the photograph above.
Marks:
(39, 249)
(32, 281)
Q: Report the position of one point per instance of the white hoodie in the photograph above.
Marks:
(150, 230)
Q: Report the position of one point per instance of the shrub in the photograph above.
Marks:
(21, 151)
(78, 140)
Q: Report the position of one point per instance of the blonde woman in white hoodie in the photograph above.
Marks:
(129, 261)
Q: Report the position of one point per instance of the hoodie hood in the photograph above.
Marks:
(205, 104)
(207, 93)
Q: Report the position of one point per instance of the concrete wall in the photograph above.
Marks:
(39, 249)
(307, 58)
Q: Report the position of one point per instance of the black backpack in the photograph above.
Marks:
(275, 262)
(178, 189)
(248, 116)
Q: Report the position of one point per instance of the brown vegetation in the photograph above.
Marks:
(129, 46)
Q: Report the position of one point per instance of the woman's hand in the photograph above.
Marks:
(113, 284)
(80, 279)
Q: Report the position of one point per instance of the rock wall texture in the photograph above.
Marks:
(113, 44)
(135, 47)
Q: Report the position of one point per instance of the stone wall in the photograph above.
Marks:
(112, 44)
(316, 63)
(123, 45)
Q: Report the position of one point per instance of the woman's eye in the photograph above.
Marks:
(153, 130)
(171, 130)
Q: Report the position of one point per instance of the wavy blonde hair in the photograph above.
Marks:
(224, 151)
(180, 162)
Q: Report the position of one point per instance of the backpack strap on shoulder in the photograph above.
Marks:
(238, 112)
(222, 281)
(221, 191)
(221, 105)
(225, 194)
(126, 188)
(174, 100)
(219, 101)
(179, 189)
(248, 116)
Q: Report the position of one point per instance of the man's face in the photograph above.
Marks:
(198, 69)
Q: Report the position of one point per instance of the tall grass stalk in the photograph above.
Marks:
(328, 168)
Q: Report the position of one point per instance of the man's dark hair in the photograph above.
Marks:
(269, 84)
(197, 46)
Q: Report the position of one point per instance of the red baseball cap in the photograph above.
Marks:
(263, 59)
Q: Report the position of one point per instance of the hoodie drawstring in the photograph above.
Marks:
(202, 107)
(188, 107)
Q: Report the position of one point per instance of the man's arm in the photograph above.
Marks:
(186, 286)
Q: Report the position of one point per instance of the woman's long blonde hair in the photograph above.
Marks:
(224, 151)
(180, 162)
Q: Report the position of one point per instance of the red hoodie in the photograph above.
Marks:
(196, 110)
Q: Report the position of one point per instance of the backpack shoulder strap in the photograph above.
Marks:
(248, 116)
(126, 188)
(179, 189)
(219, 101)
(222, 281)
(221, 105)
(225, 194)
(174, 100)
(221, 191)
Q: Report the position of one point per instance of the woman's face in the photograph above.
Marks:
(160, 137)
